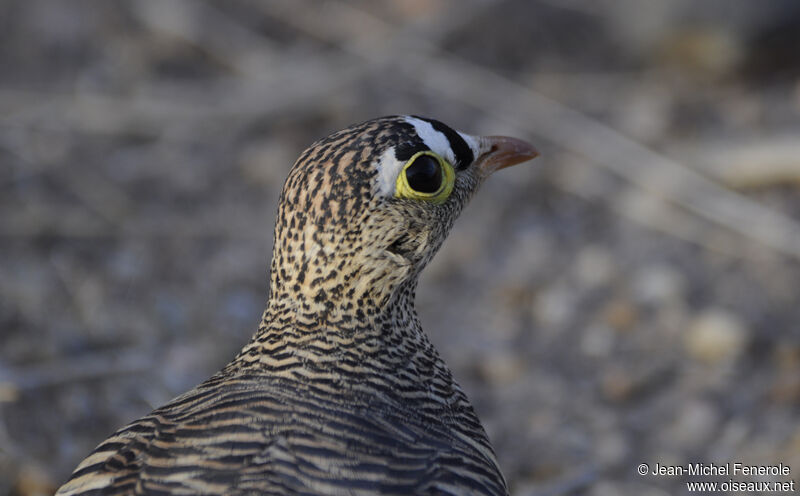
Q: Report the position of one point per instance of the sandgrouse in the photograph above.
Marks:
(339, 391)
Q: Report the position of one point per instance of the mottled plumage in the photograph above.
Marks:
(339, 391)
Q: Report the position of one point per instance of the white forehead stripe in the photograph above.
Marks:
(472, 143)
(435, 141)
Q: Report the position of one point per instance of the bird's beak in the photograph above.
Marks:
(502, 152)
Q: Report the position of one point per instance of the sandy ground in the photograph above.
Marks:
(629, 297)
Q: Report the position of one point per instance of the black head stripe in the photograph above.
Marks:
(406, 149)
(461, 149)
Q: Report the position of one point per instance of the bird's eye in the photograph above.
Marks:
(426, 176)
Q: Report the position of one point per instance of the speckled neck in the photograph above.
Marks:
(375, 339)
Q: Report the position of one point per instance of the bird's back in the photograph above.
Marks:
(253, 433)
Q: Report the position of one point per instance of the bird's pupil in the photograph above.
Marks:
(425, 174)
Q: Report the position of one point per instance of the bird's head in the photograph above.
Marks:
(365, 209)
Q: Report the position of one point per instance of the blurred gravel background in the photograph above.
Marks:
(631, 296)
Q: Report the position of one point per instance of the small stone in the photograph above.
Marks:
(787, 356)
(657, 285)
(785, 388)
(594, 266)
(8, 392)
(620, 315)
(33, 481)
(542, 423)
(697, 423)
(617, 385)
(702, 51)
(715, 336)
(611, 449)
(553, 307)
(501, 368)
(598, 341)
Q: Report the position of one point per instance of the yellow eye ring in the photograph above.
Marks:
(404, 189)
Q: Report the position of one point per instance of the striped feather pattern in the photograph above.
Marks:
(255, 434)
(339, 391)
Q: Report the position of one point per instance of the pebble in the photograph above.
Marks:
(658, 284)
(8, 392)
(611, 449)
(553, 307)
(617, 384)
(697, 423)
(702, 52)
(620, 315)
(785, 388)
(715, 336)
(787, 356)
(33, 481)
(597, 341)
(594, 266)
(501, 367)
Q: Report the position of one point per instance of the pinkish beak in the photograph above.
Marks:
(504, 152)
